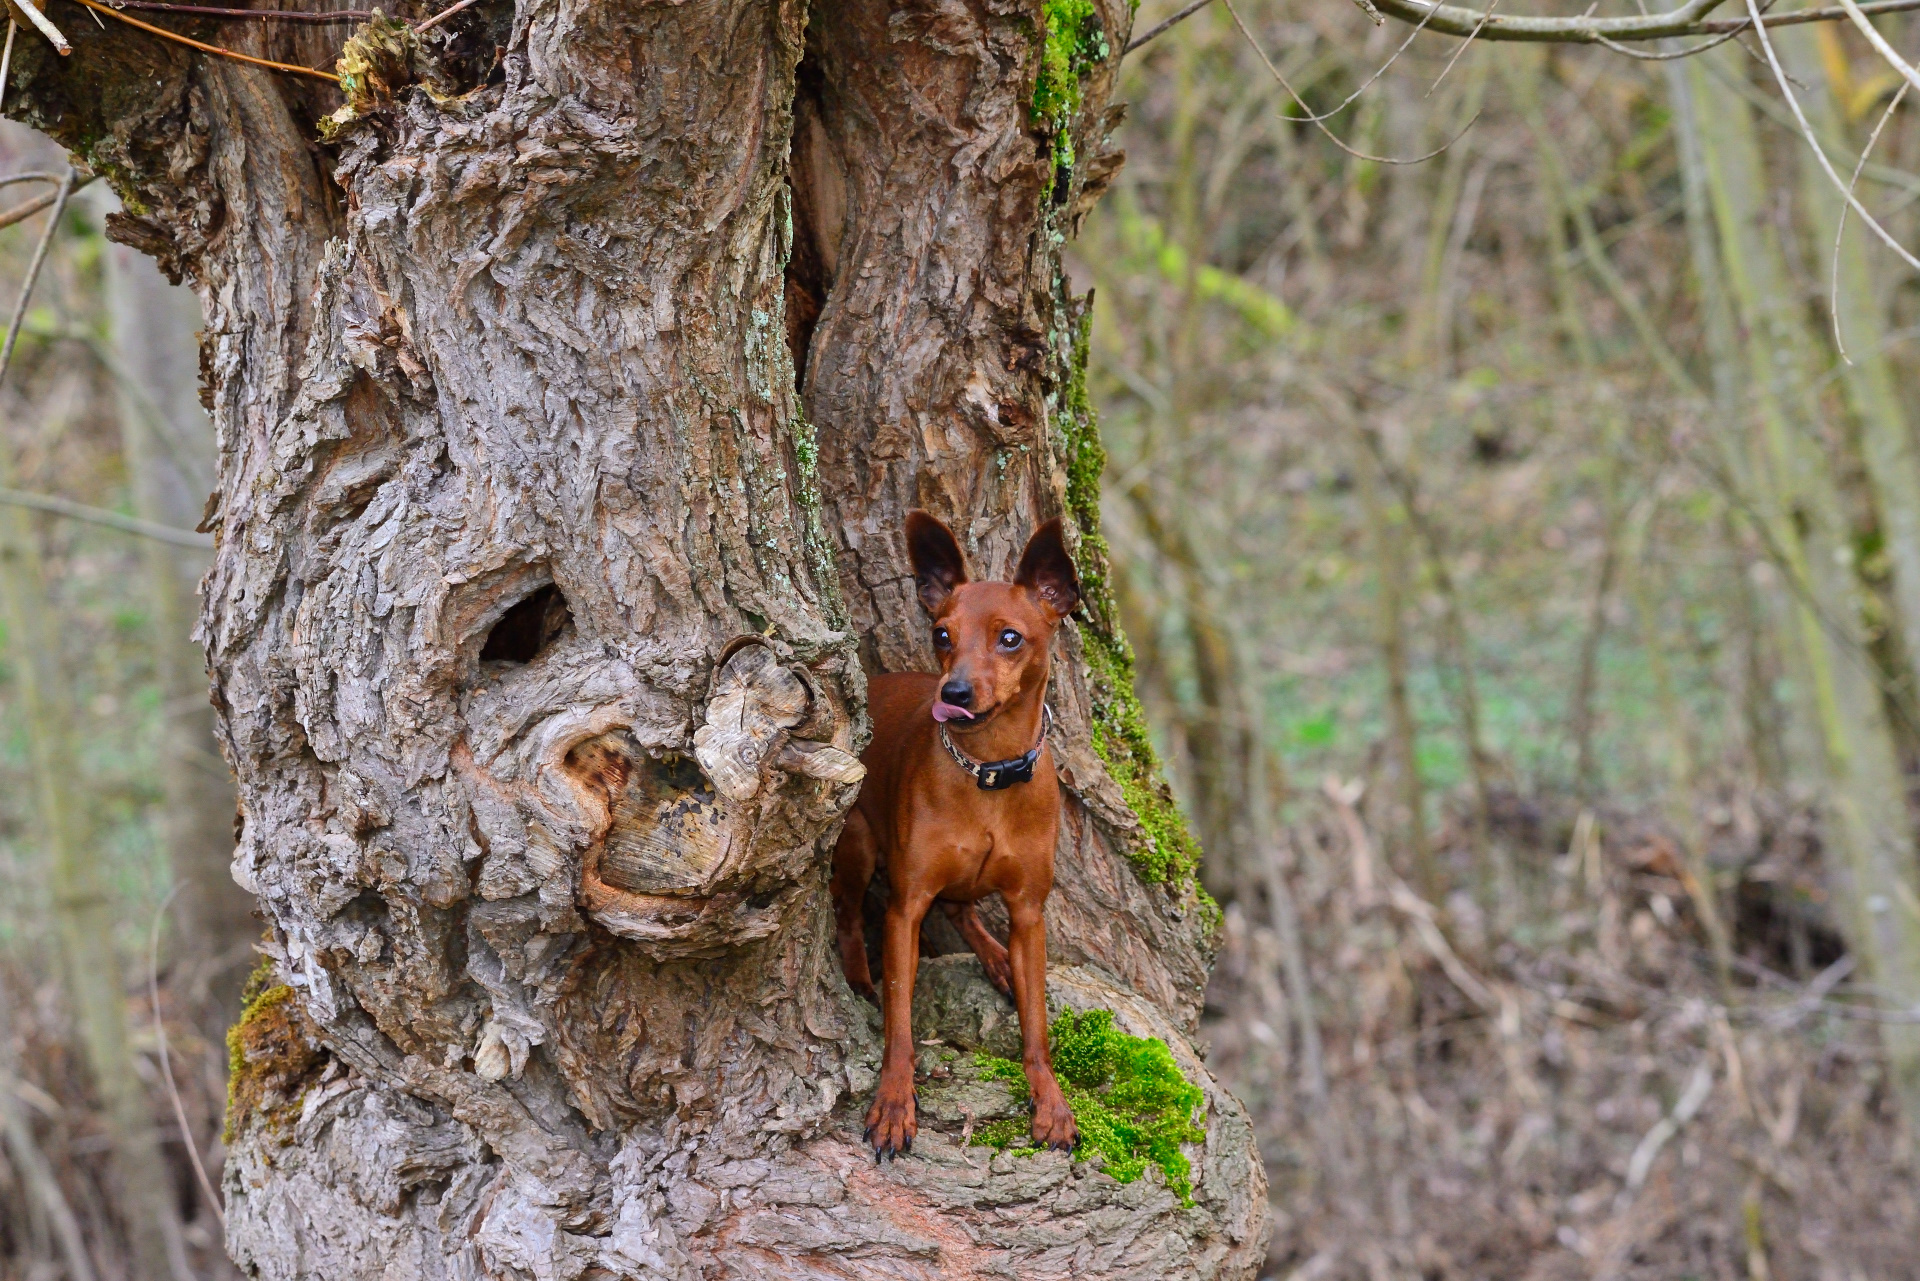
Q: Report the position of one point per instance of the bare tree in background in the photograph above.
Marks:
(168, 444)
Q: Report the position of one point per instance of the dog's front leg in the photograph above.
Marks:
(891, 1123)
(1053, 1125)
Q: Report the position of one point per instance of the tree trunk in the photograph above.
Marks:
(1868, 832)
(82, 911)
(541, 580)
(1387, 540)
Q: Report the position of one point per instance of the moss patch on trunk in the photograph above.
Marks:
(1133, 1105)
(1120, 734)
(271, 1051)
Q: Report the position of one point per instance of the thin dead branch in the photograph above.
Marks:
(59, 202)
(1688, 20)
(216, 50)
(1819, 152)
(56, 506)
(327, 18)
(187, 1138)
(1316, 121)
(42, 25)
(1840, 224)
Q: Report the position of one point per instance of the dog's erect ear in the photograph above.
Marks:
(938, 566)
(1046, 567)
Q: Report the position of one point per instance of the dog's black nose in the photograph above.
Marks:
(959, 693)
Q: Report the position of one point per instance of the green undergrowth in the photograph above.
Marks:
(1120, 734)
(1133, 1105)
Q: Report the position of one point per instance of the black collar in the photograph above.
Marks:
(994, 776)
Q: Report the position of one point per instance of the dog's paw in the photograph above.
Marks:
(1053, 1125)
(867, 992)
(999, 972)
(891, 1121)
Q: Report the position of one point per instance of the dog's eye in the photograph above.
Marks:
(940, 638)
(1010, 639)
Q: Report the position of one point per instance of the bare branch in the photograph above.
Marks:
(326, 18)
(1461, 51)
(6, 57)
(166, 1060)
(59, 203)
(41, 24)
(1689, 19)
(1162, 28)
(1840, 223)
(1316, 120)
(1819, 152)
(444, 14)
(26, 210)
(1879, 42)
(214, 49)
(101, 516)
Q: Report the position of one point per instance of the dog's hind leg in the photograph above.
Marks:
(985, 946)
(854, 858)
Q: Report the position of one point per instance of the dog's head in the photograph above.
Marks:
(993, 639)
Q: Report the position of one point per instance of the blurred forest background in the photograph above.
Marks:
(1525, 591)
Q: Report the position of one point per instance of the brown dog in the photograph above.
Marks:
(961, 801)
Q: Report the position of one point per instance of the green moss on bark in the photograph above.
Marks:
(1120, 735)
(271, 1051)
(1132, 1104)
(1073, 42)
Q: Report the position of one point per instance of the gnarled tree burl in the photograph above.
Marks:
(573, 371)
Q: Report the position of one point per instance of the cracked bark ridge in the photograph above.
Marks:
(539, 682)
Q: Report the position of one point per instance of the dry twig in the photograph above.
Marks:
(101, 516)
(1840, 223)
(443, 15)
(166, 1058)
(1819, 152)
(42, 25)
(1689, 19)
(327, 18)
(60, 199)
(214, 49)
(1315, 121)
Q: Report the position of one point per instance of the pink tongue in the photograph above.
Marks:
(948, 712)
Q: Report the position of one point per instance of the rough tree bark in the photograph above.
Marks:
(570, 386)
